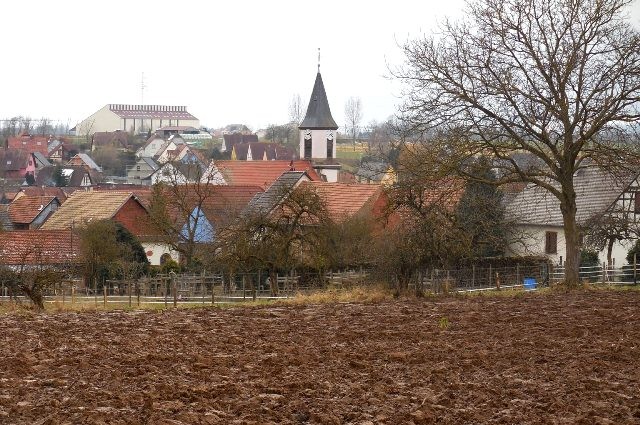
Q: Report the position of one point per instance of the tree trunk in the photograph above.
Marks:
(273, 282)
(610, 251)
(572, 240)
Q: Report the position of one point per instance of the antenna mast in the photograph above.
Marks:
(318, 59)
(142, 87)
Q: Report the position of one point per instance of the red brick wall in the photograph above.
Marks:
(133, 216)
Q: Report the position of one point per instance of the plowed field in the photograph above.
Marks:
(515, 360)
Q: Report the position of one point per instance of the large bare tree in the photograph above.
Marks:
(558, 80)
(296, 110)
(353, 116)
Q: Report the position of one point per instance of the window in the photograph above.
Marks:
(636, 203)
(307, 148)
(551, 243)
(329, 148)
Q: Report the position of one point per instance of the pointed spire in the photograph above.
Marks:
(318, 112)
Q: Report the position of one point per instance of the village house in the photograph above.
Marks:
(29, 143)
(141, 171)
(85, 161)
(83, 207)
(196, 211)
(110, 139)
(539, 226)
(151, 146)
(28, 212)
(59, 151)
(15, 164)
(70, 176)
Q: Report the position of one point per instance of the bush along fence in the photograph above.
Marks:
(204, 288)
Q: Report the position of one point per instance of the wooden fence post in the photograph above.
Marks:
(138, 292)
(254, 287)
(213, 289)
(498, 281)
(473, 275)
(635, 269)
(104, 290)
(95, 291)
(517, 274)
(129, 290)
(73, 293)
(604, 272)
(63, 294)
(174, 290)
(490, 273)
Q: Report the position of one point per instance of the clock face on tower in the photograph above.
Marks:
(329, 135)
(307, 134)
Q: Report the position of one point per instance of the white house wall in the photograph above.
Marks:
(534, 238)
(155, 250)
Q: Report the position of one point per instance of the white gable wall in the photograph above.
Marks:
(534, 239)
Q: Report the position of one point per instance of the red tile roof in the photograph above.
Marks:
(26, 208)
(345, 200)
(37, 247)
(219, 203)
(29, 143)
(46, 191)
(262, 173)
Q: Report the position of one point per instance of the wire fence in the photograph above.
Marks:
(482, 278)
(204, 288)
(217, 288)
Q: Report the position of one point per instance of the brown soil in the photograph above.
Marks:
(561, 358)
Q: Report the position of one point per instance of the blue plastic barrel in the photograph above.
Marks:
(529, 283)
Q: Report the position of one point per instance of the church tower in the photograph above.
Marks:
(318, 133)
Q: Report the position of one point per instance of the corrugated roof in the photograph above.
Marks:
(261, 173)
(318, 112)
(25, 209)
(595, 189)
(151, 111)
(82, 207)
(36, 247)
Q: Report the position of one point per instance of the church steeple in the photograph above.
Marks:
(318, 112)
(318, 136)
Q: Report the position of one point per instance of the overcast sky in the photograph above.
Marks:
(228, 61)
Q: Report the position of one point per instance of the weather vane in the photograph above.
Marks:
(318, 59)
